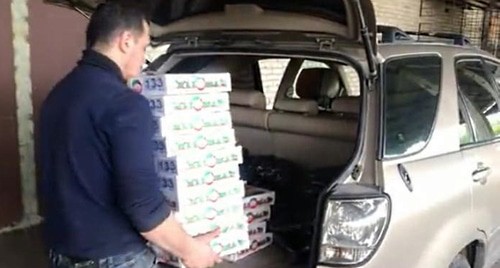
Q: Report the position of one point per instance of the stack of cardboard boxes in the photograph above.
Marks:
(257, 206)
(196, 155)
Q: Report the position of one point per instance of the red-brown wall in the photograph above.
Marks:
(57, 38)
(10, 183)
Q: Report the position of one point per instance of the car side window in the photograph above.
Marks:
(465, 126)
(493, 69)
(272, 71)
(410, 98)
(307, 64)
(481, 97)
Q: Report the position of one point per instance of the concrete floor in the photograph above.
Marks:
(22, 249)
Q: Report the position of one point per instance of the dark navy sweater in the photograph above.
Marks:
(99, 188)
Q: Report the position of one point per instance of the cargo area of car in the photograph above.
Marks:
(298, 132)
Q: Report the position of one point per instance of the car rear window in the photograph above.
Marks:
(410, 98)
(169, 11)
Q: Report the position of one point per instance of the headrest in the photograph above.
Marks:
(315, 83)
(349, 105)
(248, 98)
(308, 107)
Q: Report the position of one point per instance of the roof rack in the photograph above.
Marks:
(453, 38)
(392, 34)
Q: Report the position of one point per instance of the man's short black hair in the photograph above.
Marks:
(113, 17)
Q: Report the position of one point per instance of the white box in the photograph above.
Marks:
(257, 243)
(257, 229)
(187, 180)
(204, 160)
(259, 214)
(180, 84)
(235, 229)
(190, 123)
(174, 145)
(181, 199)
(231, 243)
(226, 246)
(199, 219)
(226, 223)
(202, 103)
(256, 197)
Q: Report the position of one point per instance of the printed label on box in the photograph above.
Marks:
(257, 244)
(227, 223)
(257, 229)
(208, 140)
(256, 197)
(166, 165)
(178, 84)
(180, 199)
(260, 214)
(207, 213)
(166, 106)
(227, 245)
(231, 243)
(190, 123)
(201, 177)
(203, 160)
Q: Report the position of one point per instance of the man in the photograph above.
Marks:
(99, 188)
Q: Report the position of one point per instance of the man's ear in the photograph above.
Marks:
(126, 41)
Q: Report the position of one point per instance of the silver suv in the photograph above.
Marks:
(408, 153)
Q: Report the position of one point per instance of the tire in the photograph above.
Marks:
(460, 261)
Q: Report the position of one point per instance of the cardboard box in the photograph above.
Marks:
(180, 84)
(202, 103)
(257, 197)
(226, 223)
(257, 229)
(181, 199)
(259, 214)
(227, 245)
(199, 219)
(257, 243)
(187, 180)
(231, 243)
(190, 123)
(204, 160)
(208, 140)
(229, 224)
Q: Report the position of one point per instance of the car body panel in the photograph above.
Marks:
(483, 168)
(485, 196)
(447, 210)
(337, 17)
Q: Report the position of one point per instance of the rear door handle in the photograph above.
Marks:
(481, 174)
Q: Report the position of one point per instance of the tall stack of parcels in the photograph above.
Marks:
(257, 205)
(198, 161)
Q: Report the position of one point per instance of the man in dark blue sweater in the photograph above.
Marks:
(99, 188)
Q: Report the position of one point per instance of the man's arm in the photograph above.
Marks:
(170, 236)
(128, 125)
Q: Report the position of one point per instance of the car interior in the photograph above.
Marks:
(297, 134)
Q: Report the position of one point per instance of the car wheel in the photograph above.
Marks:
(460, 261)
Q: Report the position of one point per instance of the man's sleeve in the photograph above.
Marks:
(128, 125)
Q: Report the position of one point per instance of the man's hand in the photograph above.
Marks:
(193, 252)
(201, 254)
